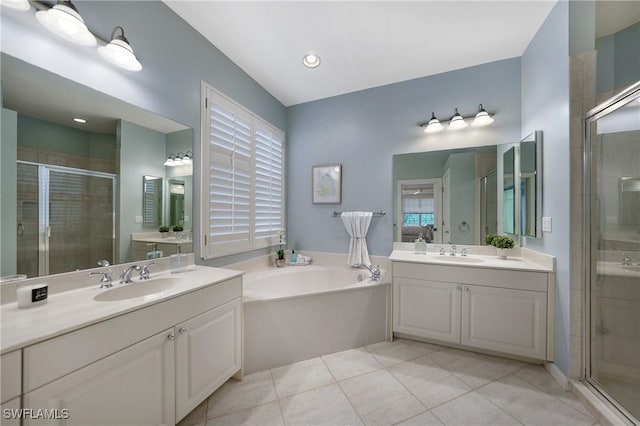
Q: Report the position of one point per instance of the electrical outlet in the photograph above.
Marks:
(546, 224)
(137, 219)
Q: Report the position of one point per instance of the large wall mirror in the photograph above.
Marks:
(530, 153)
(448, 196)
(509, 191)
(80, 191)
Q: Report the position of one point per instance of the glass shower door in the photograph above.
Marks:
(613, 243)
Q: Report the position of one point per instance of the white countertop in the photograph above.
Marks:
(168, 240)
(72, 310)
(471, 261)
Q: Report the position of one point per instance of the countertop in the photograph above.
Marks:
(159, 240)
(470, 261)
(618, 269)
(75, 309)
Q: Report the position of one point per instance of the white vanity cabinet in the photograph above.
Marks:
(493, 309)
(10, 371)
(151, 366)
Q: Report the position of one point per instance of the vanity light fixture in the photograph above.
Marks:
(119, 52)
(457, 121)
(311, 60)
(482, 118)
(179, 159)
(64, 20)
(21, 5)
(79, 120)
(434, 125)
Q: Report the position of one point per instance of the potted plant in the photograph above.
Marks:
(280, 258)
(164, 231)
(502, 243)
(178, 228)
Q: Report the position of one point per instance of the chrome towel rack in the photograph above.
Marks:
(380, 213)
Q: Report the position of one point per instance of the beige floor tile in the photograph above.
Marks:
(530, 405)
(380, 399)
(423, 347)
(390, 353)
(255, 389)
(351, 363)
(538, 376)
(322, 406)
(196, 417)
(424, 419)
(472, 409)
(475, 369)
(431, 383)
(263, 415)
(301, 376)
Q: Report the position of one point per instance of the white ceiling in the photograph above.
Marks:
(362, 44)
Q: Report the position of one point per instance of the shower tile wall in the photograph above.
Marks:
(81, 212)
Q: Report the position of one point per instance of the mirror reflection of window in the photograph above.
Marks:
(152, 200)
(419, 211)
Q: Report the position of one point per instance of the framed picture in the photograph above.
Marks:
(326, 184)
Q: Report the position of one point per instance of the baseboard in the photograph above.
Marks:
(557, 375)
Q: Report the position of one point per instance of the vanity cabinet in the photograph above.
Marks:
(11, 385)
(149, 366)
(497, 310)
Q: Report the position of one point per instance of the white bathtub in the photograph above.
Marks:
(300, 312)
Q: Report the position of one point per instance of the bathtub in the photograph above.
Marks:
(300, 312)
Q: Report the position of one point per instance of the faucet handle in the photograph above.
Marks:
(105, 279)
(144, 270)
(465, 251)
(442, 251)
(453, 251)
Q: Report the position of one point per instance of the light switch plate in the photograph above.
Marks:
(137, 219)
(546, 224)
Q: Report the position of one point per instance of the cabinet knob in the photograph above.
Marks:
(466, 288)
(459, 287)
(182, 330)
(171, 336)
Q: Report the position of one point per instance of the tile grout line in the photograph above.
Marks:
(337, 382)
(278, 399)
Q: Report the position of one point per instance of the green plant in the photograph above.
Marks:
(499, 241)
(178, 228)
(164, 228)
(280, 254)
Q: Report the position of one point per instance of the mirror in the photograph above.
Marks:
(508, 192)
(95, 203)
(152, 200)
(176, 202)
(448, 196)
(629, 196)
(530, 152)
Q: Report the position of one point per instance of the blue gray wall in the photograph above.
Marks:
(618, 63)
(175, 58)
(363, 130)
(545, 106)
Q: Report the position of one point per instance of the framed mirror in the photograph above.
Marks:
(95, 202)
(176, 202)
(530, 177)
(509, 191)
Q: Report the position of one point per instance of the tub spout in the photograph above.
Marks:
(375, 272)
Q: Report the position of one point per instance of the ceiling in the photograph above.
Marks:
(362, 44)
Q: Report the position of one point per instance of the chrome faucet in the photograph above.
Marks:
(375, 272)
(464, 252)
(626, 260)
(125, 277)
(453, 251)
(442, 251)
(144, 270)
(105, 279)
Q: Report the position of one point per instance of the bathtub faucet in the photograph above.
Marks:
(375, 272)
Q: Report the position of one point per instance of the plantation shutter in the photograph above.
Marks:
(268, 184)
(229, 178)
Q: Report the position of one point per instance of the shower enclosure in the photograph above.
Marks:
(66, 218)
(612, 251)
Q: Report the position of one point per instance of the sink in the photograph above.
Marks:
(457, 259)
(631, 268)
(138, 289)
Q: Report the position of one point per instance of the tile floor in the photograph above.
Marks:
(401, 382)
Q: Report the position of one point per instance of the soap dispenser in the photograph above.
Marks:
(294, 257)
(420, 246)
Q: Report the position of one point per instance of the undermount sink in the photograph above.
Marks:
(458, 259)
(138, 289)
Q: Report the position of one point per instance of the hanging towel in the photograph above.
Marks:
(357, 225)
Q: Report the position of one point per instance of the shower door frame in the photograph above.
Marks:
(630, 94)
(44, 225)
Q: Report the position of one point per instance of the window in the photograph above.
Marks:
(243, 188)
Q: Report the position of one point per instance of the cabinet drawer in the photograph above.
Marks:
(11, 366)
(503, 278)
(74, 350)
(11, 405)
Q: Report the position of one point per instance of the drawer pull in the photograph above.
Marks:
(182, 330)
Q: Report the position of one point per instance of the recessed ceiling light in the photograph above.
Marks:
(311, 60)
(79, 120)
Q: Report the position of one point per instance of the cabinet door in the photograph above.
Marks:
(208, 353)
(428, 309)
(10, 412)
(505, 320)
(132, 387)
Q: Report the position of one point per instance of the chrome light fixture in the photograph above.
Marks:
(64, 20)
(482, 118)
(179, 159)
(457, 121)
(21, 5)
(433, 126)
(119, 52)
